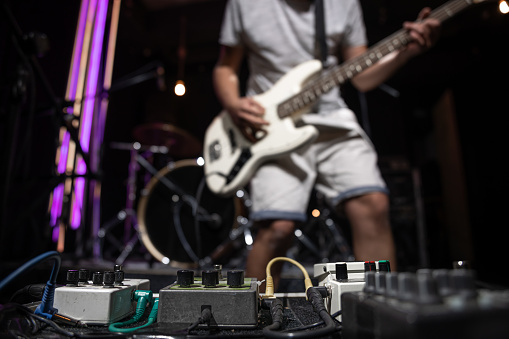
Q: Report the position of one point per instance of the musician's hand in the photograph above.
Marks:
(424, 33)
(248, 112)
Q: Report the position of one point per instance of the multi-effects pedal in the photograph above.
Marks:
(438, 304)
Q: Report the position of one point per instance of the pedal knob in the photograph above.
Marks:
(72, 278)
(235, 278)
(407, 284)
(463, 283)
(370, 282)
(210, 278)
(219, 269)
(119, 277)
(427, 285)
(380, 283)
(369, 266)
(391, 285)
(83, 276)
(109, 278)
(341, 272)
(384, 266)
(443, 280)
(97, 279)
(185, 278)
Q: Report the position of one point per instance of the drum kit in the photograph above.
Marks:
(182, 223)
(178, 220)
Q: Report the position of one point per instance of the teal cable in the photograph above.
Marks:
(152, 317)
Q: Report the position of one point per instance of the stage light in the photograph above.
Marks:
(503, 7)
(180, 88)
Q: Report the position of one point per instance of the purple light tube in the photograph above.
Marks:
(79, 192)
(56, 206)
(78, 48)
(93, 74)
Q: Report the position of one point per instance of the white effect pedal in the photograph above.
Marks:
(99, 303)
(351, 279)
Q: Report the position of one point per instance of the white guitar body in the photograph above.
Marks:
(227, 150)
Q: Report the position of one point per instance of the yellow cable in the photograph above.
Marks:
(269, 287)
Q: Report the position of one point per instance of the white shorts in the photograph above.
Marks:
(340, 163)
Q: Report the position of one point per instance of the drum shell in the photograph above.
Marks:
(162, 209)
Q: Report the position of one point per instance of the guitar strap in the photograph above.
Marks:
(320, 31)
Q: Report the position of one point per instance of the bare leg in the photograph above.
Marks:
(273, 240)
(371, 229)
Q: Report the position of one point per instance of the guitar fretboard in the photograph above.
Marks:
(344, 72)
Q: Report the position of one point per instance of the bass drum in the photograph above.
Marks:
(172, 228)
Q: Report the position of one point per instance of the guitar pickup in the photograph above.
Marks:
(215, 151)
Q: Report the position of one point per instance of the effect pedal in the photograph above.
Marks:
(233, 301)
(107, 298)
(342, 277)
(439, 304)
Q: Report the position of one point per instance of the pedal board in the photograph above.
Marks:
(342, 277)
(437, 304)
(233, 302)
(107, 298)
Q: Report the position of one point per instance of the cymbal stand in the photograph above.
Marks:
(243, 229)
(128, 214)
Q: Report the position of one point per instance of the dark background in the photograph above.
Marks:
(469, 63)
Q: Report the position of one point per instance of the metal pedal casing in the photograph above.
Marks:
(98, 305)
(231, 307)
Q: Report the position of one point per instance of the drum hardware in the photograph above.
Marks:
(321, 237)
(128, 214)
(180, 143)
(186, 225)
(198, 211)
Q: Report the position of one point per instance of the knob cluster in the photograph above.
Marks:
(211, 278)
(106, 279)
(425, 286)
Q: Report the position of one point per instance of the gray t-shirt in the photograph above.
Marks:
(280, 34)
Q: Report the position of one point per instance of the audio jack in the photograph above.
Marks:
(68, 321)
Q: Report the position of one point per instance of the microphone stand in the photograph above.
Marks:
(29, 71)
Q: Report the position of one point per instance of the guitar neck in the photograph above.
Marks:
(344, 72)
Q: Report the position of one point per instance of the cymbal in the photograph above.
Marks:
(179, 142)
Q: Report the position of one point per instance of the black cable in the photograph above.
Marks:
(205, 318)
(29, 293)
(319, 323)
(316, 300)
(276, 313)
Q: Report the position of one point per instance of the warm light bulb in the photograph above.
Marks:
(180, 88)
(503, 7)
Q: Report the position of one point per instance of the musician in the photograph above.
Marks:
(275, 36)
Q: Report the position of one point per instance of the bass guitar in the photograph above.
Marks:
(231, 157)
